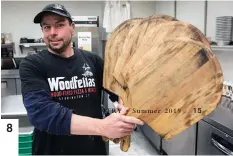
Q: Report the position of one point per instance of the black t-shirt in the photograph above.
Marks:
(74, 82)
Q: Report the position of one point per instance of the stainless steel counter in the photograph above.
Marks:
(13, 73)
(222, 116)
(12, 106)
(215, 131)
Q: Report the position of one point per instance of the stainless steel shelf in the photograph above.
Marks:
(12, 106)
(7, 45)
(222, 48)
(32, 44)
(26, 130)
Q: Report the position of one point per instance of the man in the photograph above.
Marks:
(61, 89)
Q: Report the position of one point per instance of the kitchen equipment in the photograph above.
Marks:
(86, 21)
(224, 26)
(217, 130)
(96, 38)
(8, 63)
(6, 38)
(27, 40)
(228, 89)
(10, 82)
(18, 61)
(220, 142)
(7, 50)
(153, 137)
(172, 79)
(182, 144)
(23, 40)
(7, 56)
(2, 38)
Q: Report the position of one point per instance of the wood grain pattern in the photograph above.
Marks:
(166, 72)
(158, 35)
(118, 36)
(134, 39)
(198, 85)
(146, 23)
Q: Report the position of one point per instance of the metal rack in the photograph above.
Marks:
(223, 48)
(7, 50)
(32, 45)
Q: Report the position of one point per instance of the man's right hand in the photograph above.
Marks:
(118, 125)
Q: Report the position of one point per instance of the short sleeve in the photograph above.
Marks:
(32, 75)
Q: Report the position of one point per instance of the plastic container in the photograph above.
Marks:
(25, 137)
(25, 154)
(8, 38)
(25, 150)
(25, 144)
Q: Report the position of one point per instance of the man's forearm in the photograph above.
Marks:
(82, 125)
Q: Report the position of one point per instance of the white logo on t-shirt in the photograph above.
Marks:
(87, 70)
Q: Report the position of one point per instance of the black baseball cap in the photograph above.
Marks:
(53, 8)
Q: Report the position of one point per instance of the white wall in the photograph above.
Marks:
(142, 8)
(165, 7)
(215, 9)
(192, 12)
(225, 58)
(17, 16)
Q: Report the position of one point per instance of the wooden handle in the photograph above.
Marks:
(125, 143)
(116, 140)
(105, 138)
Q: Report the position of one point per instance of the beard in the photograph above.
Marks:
(61, 48)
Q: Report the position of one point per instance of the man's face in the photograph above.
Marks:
(57, 32)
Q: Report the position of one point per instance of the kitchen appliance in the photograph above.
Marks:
(6, 38)
(153, 137)
(30, 40)
(215, 132)
(86, 21)
(182, 144)
(7, 56)
(18, 61)
(8, 63)
(215, 142)
(95, 39)
(10, 82)
(224, 30)
(7, 50)
(228, 89)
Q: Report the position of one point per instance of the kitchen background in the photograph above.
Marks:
(17, 23)
(17, 17)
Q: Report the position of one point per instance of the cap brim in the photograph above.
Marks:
(40, 15)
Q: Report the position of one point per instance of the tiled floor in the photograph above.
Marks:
(139, 146)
